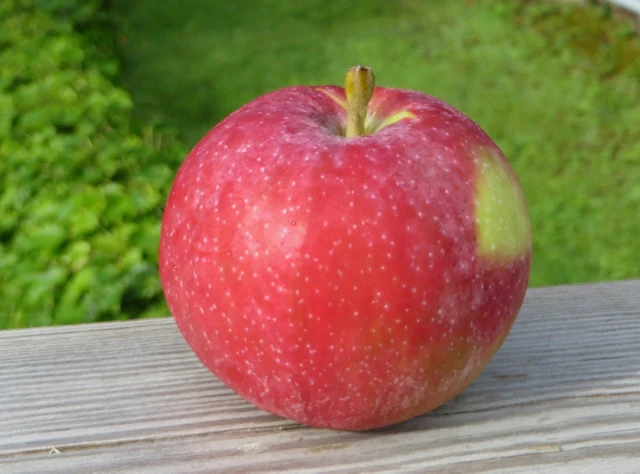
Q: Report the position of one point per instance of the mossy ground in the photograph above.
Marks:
(556, 85)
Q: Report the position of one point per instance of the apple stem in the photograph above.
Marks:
(359, 84)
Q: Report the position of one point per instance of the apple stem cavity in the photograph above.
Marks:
(359, 84)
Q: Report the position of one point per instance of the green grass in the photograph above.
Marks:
(557, 87)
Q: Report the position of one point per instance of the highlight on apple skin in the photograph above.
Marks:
(348, 258)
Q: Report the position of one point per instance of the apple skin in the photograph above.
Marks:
(345, 283)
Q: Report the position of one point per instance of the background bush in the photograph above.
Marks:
(83, 184)
(81, 188)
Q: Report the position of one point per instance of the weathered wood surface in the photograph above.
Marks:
(562, 395)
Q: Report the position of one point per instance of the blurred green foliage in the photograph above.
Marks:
(82, 183)
(81, 189)
(555, 84)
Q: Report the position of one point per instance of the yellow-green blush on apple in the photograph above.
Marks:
(502, 220)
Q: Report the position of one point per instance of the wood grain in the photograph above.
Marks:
(562, 395)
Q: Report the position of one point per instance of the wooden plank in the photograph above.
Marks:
(562, 395)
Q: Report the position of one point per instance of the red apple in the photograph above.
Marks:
(341, 262)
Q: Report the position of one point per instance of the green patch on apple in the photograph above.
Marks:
(502, 219)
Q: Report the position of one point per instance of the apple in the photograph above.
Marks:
(346, 258)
